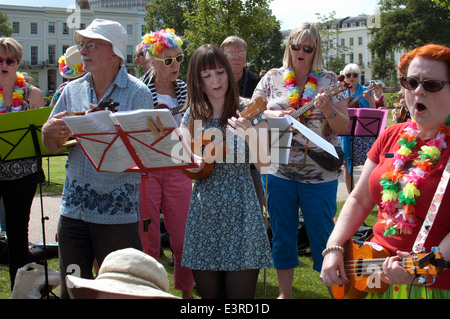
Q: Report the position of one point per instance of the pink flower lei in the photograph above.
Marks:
(401, 188)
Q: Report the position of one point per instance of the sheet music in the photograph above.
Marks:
(117, 158)
(285, 123)
(153, 151)
(167, 151)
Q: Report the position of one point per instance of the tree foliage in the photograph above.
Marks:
(5, 28)
(406, 24)
(211, 21)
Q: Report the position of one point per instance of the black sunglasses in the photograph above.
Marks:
(355, 75)
(429, 85)
(168, 61)
(306, 48)
(9, 61)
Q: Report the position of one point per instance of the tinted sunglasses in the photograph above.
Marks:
(355, 75)
(168, 61)
(9, 61)
(306, 48)
(429, 85)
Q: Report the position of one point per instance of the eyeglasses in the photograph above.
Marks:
(306, 48)
(239, 54)
(355, 75)
(9, 61)
(169, 61)
(429, 85)
(90, 46)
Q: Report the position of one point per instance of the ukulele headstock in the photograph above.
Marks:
(253, 108)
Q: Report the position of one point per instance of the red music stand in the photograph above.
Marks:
(364, 123)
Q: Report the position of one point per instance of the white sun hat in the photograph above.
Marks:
(107, 30)
(126, 273)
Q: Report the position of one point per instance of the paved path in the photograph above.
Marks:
(51, 205)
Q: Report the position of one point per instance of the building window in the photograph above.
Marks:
(52, 54)
(360, 59)
(362, 24)
(129, 29)
(352, 59)
(16, 27)
(64, 49)
(34, 53)
(51, 27)
(34, 28)
(360, 41)
(130, 50)
(65, 28)
(343, 42)
(351, 42)
(353, 24)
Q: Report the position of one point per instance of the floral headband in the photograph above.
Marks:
(69, 69)
(155, 42)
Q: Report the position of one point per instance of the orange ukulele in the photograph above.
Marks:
(207, 145)
(362, 265)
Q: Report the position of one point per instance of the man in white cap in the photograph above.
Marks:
(99, 211)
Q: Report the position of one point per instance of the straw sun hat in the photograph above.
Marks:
(125, 273)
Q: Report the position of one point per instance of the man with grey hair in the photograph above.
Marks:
(99, 211)
(235, 49)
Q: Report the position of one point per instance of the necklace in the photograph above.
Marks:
(293, 90)
(400, 187)
(19, 91)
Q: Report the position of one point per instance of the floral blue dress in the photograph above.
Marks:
(225, 229)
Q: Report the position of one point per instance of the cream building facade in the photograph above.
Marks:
(46, 32)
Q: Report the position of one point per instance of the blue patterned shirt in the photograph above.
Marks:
(88, 195)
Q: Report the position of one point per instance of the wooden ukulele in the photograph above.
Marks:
(356, 99)
(205, 143)
(109, 105)
(174, 110)
(333, 90)
(362, 265)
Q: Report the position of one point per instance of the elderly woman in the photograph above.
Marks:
(355, 152)
(168, 190)
(310, 187)
(18, 178)
(401, 176)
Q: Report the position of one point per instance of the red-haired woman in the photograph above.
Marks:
(401, 176)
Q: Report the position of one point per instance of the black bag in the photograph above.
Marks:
(328, 161)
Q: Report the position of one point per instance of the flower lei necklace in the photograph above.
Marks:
(293, 90)
(19, 91)
(398, 204)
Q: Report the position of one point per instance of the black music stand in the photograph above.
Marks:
(364, 123)
(15, 144)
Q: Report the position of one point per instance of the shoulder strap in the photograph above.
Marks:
(433, 210)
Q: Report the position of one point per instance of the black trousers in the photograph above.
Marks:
(80, 243)
(17, 196)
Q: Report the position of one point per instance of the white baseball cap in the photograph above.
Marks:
(107, 30)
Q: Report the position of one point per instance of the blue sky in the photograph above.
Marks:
(290, 12)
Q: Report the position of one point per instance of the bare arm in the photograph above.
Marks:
(36, 98)
(54, 130)
(355, 211)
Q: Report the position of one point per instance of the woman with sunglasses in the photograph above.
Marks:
(18, 178)
(168, 190)
(311, 188)
(402, 177)
(355, 153)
